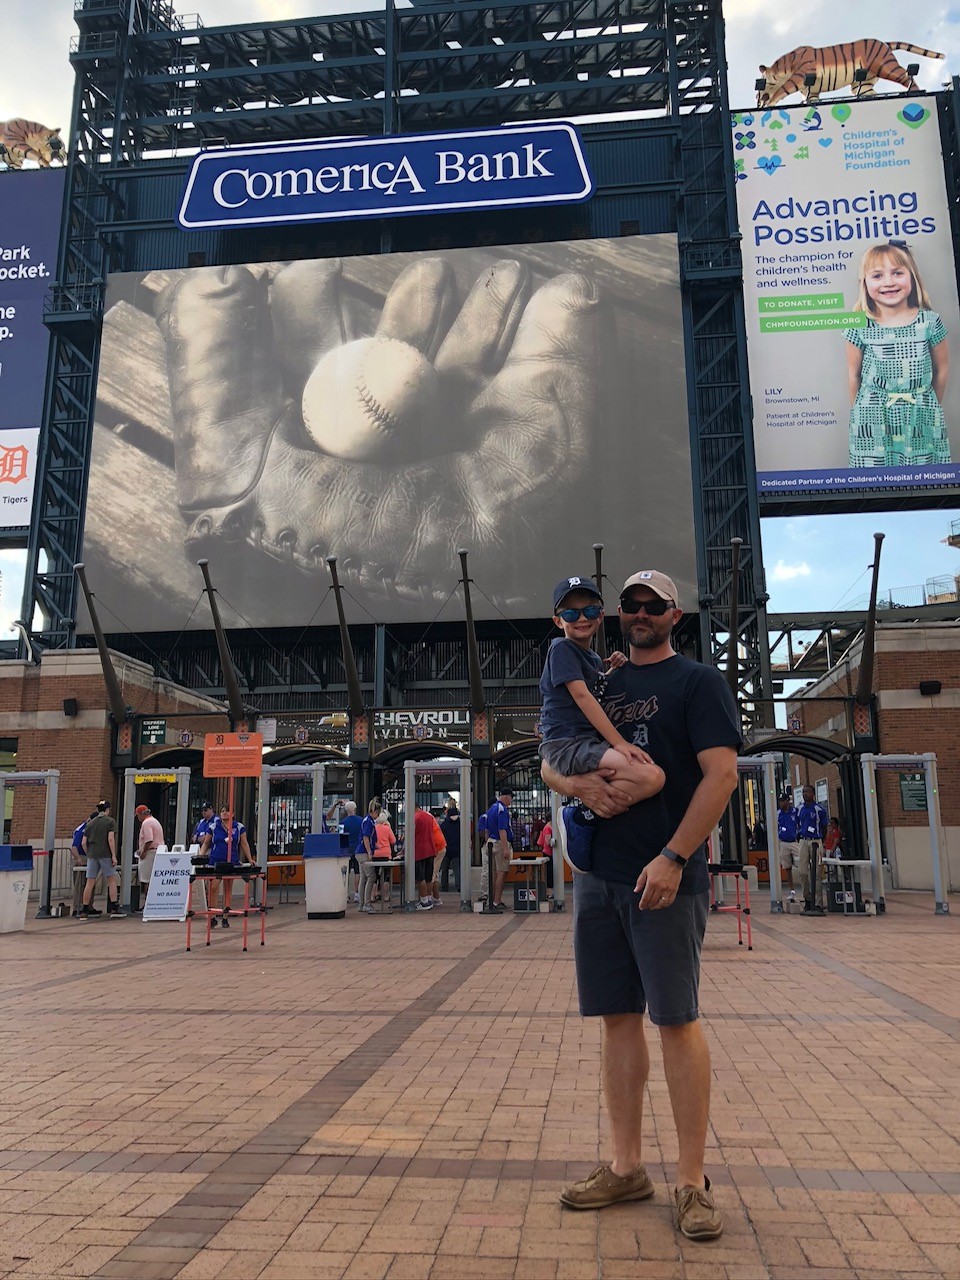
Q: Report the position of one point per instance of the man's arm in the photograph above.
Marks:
(659, 880)
(112, 844)
(606, 799)
(86, 852)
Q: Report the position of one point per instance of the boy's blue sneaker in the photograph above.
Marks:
(578, 838)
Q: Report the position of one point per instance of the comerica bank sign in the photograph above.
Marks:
(385, 177)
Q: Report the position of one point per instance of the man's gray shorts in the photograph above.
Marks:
(631, 961)
(574, 755)
(100, 867)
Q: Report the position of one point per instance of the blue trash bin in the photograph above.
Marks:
(16, 870)
(326, 859)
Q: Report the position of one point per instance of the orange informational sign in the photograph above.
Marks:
(233, 755)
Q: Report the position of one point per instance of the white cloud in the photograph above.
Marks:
(783, 572)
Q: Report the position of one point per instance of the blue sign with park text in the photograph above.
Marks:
(385, 177)
(30, 205)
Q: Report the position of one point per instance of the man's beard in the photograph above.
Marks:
(639, 637)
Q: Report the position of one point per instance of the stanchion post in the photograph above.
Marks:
(942, 907)
(49, 839)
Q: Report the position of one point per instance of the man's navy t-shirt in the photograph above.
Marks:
(673, 710)
(566, 661)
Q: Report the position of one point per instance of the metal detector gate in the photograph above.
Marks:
(281, 829)
(49, 778)
(766, 767)
(927, 765)
(133, 778)
(411, 769)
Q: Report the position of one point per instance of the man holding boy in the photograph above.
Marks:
(641, 910)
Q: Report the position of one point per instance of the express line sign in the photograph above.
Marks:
(385, 177)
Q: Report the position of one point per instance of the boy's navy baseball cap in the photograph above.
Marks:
(566, 585)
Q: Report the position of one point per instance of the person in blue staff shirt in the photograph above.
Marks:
(499, 842)
(812, 821)
(788, 837)
(79, 860)
(226, 841)
(351, 824)
(202, 829)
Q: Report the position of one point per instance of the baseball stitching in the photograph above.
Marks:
(384, 421)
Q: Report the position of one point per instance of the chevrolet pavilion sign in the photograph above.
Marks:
(385, 177)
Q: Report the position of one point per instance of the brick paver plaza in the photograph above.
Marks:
(404, 1096)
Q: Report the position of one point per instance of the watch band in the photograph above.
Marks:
(674, 857)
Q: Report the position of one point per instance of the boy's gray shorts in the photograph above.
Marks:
(631, 961)
(574, 755)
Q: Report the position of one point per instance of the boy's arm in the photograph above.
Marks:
(592, 709)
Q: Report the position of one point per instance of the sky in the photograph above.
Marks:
(811, 563)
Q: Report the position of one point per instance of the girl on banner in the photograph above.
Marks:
(897, 364)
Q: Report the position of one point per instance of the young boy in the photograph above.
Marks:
(577, 734)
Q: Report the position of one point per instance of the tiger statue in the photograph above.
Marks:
(30, 140)
(834, 67)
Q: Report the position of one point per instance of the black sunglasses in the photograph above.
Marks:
(652, 608)
(590, 611)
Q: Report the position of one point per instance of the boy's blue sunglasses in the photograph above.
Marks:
(590, 611)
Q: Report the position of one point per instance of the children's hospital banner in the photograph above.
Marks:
(851, 295)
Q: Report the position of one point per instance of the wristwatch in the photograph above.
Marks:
(674, 857)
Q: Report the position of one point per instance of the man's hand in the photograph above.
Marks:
(605, 797)
(658, 883)
(505, 384)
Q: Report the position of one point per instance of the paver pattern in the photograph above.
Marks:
(403, 1096)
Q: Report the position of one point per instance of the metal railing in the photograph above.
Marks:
(61, 869)
(941, 590)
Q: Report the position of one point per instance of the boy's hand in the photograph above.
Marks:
(635, 754)
(615, 660)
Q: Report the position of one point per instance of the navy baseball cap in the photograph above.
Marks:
(563, 589)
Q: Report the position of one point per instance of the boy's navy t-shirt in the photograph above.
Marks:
(566, 661)
(671, 709)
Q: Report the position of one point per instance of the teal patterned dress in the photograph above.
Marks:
(897, 419)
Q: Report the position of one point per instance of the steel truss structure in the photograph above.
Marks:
(152, 86)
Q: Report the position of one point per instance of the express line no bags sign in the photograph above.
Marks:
(385, 177)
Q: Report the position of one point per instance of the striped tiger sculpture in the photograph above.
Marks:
(29, 140)
(834, 67)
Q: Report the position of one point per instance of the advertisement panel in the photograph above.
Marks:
(18, 475)
(385, 177)
(30, 204)
(850, 295)
(522, 401)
